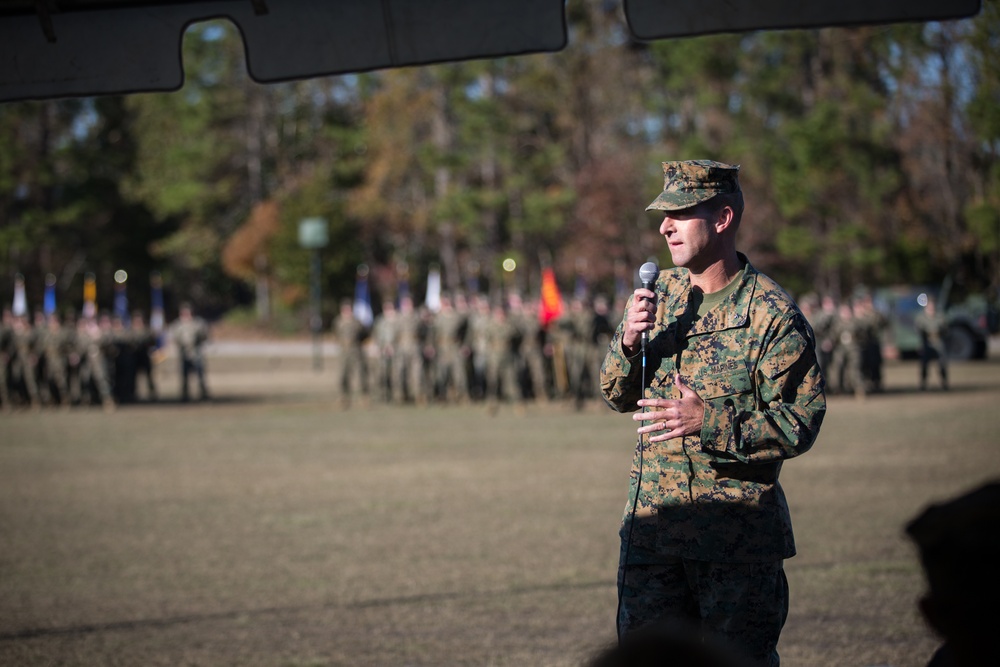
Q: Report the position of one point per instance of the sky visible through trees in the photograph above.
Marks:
(869, 157)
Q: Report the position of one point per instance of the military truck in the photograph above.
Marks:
(970, 322)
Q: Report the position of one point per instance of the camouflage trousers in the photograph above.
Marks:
(451, 378)
(193, 364)
(4, 392)
(408, 376)
(845, 370)
(929, 353)
(351, 372)
(534, 366)
(741, 606)
(501, 377)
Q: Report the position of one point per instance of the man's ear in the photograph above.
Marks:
(724, 219)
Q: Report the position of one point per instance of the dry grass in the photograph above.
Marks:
(269, 528)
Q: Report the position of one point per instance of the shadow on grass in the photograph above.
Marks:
(111, 626)
(215, 399)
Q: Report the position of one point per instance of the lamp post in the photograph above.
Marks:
(313, 236)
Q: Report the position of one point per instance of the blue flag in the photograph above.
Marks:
(403, 290)
(49, 302)
(121, 303)
(580, 288)
(362, 299)
(157, 314)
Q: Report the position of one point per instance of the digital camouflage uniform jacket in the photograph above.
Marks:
(752, 361)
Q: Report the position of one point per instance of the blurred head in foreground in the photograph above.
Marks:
(660, 645)
(959, 545)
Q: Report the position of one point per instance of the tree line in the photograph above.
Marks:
(869, 157)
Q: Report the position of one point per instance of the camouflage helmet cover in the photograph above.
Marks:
(690, 182)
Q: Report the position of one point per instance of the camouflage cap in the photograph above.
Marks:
(690, 182)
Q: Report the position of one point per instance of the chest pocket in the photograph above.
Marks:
(728, 379)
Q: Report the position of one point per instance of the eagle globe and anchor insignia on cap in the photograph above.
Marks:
(690, 182)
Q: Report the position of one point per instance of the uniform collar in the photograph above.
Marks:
(732, 313)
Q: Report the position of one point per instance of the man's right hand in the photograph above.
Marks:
(640, 317)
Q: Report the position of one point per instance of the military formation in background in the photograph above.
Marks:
(849, 337)
(468, 351)
(89, 361)
(472, 351)
(100, 361)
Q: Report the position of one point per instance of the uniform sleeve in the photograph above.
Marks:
(786, 411)
(621, 376)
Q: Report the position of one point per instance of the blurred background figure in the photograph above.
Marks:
(501, 364)
(575, 327)
(845, 364)
(6, 346)
(93, 375)
(123, 351)
(384, 332)
(23, 361)
(350, 334)
(480, 322)
(933, 329)
(600, 334)
(532, 344)
(450, 329)
(189, 335)
(55, 345)
(873, 325)
(824, 326)
(143, 341)
(408, 378)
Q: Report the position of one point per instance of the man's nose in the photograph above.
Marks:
(667, 225)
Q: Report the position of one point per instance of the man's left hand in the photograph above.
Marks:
(672, 418)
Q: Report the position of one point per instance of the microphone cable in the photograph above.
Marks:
(635, 505)
(648, 274)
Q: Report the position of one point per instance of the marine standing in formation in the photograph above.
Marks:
(142, 341)
(734, 388)
(480, 323)
(450, 330)
(933, 329)
(350, 333)
(531, 337)
(501, 362)
(849, 342)
(845, 367)
(189, 335)
(49, 363)
(384, 332)
(472, 352)
(408, 363)
(94, 360)
(55, 347)
(874, 325)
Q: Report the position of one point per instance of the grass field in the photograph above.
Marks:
(270, 528)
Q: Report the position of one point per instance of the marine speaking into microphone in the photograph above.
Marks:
(733, 390)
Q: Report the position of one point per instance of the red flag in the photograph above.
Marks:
(551, 306)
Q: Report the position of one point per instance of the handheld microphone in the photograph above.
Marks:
(648, 273)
